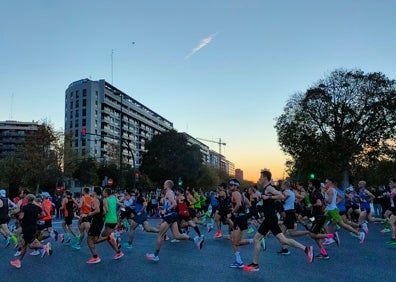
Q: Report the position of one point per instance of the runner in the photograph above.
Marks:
(84, 222)
(140, 217)
(239, 218)
(28, 216)
(270, 223)
(169, 214)
(5, 206)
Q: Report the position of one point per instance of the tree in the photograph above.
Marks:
(168, 156)
(37, 159)
(86, 172)
(338, 121)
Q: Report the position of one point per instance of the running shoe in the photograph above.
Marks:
(46, 250)
(250, 230)
(67, 239)
(16, 263)
(251, 267)
(17, 253)
(284, 252)
(392, 242)
(118, 255)
(209, 227)
(322, 256)
(127, 245)
(218, 234)
(385, 230)
(152, 257)
(61, 238)
(337, 239)
(200, 242)
(35, 253)
(309, 252)
(94, 260)
(76, 246)
(361, 237)
(365, 227)
(328, 241)
(236, 265)
(263, 244)
(175, 241)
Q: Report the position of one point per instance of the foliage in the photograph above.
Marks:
(329, 127)
(86, 172)
(168, 156)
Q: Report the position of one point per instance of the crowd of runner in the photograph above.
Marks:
(285, 212)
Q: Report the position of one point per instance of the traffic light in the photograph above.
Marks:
(137, 175)
(83, 133)
(312, 176)
(180, 182)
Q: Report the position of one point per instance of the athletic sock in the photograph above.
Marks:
(238, 257)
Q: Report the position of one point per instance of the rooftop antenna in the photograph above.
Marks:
(112, 55)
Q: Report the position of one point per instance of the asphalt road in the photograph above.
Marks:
(371, 261)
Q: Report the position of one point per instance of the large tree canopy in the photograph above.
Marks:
(345, 117)
(168, 156)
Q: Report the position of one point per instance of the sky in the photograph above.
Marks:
(215, 68)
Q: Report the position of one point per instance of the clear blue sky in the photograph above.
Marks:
(216, 69)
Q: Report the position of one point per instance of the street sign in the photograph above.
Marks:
(110, 181)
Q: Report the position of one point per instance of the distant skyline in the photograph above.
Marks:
(216, 69)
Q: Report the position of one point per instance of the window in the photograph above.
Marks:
(84, 102)
(84, 94)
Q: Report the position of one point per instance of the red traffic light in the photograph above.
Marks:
(137, 174)
(84, 131)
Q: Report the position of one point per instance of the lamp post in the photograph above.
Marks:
(121, 139)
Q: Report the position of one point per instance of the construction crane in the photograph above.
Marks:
(218, 142)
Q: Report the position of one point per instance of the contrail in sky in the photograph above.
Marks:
(201, 45)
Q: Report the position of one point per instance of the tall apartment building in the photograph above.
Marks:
(12, 134)
(110, 118)
(239, 174)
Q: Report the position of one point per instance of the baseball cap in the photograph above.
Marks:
(2, 193)
(350, 189)
(45, 194)
(233, 182)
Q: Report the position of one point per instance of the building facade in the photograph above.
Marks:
(12, 134)
(239, 174)
(100, 118)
